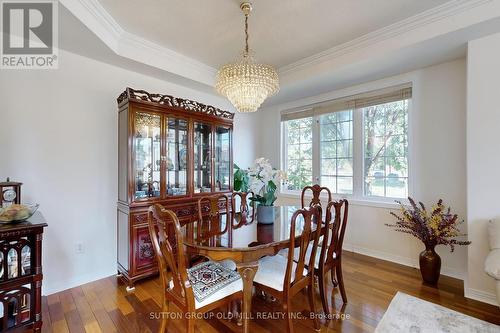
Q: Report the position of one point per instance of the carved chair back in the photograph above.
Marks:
(210, 222)
(316, 193)
(243, 213)
(309, 217)
(338, 227)
(176, 285)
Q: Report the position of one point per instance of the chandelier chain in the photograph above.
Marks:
(246, 34)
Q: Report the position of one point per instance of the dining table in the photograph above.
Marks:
(244, 240)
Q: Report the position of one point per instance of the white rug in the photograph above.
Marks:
(413, 315)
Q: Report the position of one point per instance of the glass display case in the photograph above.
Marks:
(177, 157)
(171, 151)
(202, 157)
(222, 158)
(147, 141)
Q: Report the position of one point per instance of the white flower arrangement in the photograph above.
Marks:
(264, 180)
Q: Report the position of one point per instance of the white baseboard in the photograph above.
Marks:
(447, 271)
(481, 296)
(55, 287)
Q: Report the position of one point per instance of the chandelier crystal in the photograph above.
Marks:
(246, 83)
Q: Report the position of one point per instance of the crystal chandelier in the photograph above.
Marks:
(246, 83)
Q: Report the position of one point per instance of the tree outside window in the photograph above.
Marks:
(299, 153)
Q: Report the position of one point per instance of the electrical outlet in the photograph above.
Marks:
(79, 248)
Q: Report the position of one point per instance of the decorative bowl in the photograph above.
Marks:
(17, 213)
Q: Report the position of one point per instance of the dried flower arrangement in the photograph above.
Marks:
(439, 227)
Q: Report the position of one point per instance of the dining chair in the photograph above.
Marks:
(282, 277)
(213, 224)
(179, 283)
(330, 254)
(316, 193)
(330, 257)
(243, 213)
(316, 190)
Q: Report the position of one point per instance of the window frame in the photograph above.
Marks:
(358, 164)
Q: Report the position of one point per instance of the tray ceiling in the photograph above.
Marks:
(281, 32)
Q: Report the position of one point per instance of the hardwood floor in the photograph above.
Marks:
(105, 306)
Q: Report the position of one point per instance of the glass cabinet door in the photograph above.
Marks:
(147, 143)
(177, 157)
(202, 157)
(222, 158)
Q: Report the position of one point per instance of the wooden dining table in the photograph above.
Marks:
(244, 241)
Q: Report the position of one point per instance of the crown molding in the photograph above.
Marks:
(182, 63)
(99, 21)
(93, 15)
(420, 20)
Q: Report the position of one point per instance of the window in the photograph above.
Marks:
(336, 160)
(354, 146)
(386, 150)
(299, 152)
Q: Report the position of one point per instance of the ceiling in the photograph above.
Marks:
(318, 46)
(281, 31)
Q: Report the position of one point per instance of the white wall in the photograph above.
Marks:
(437, 161)
(59, 137)
(483, 157)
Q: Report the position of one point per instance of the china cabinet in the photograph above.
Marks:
(171, 151)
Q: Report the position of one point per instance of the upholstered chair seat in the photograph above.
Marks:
(272, 270)
(229, 264)
(221, 293)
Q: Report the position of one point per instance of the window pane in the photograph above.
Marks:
(328, 166)
(344, 185)
(329, 181)
(328, 132)
(299, 153)
(344, 167)
(336, 139)
(329, 149)
(396, 145)
(396, 167)
(344, 148)
(386, 149)
(374, 187)
(397, 187)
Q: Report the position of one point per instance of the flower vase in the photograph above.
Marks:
(266, 214)
(430, 264)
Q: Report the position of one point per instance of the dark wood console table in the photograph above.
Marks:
(21, 274)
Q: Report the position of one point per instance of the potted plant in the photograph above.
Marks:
(437, 227)
(241, 179)
(263, 182)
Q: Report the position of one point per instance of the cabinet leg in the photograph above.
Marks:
(130, 288)
(37, 326)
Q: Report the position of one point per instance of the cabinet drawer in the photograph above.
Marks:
(139, 218)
